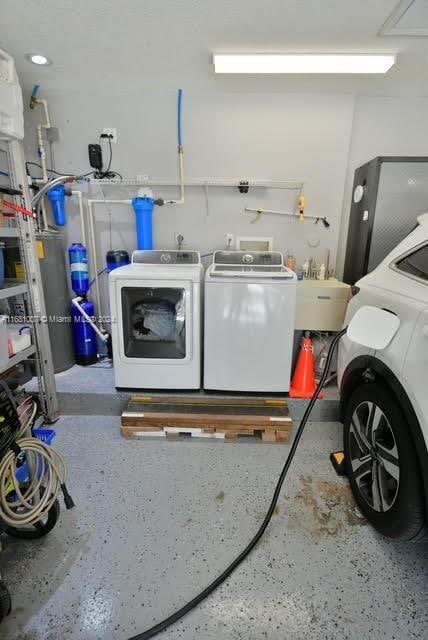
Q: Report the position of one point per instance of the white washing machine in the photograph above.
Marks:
(156, 335)
(250, 300)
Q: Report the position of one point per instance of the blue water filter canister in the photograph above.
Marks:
(143, 208)
(78, 257)
(116, 259)
(57, 197)
(84, 336)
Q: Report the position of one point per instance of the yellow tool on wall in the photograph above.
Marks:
(301, 206)
(299, 214)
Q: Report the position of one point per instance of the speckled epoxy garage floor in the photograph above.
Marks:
(155, 521)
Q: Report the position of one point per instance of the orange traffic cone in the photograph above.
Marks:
(303, 384)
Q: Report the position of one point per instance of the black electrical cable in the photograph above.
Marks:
(10, 425)
(111, 156)
(58, 173)
(161, 626)
(63, 173)
(107, 173)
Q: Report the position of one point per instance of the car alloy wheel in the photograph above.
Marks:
(374, 456)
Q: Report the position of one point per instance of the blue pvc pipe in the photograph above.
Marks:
(143, 208)
(180, 96)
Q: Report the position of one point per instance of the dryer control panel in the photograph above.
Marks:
(166, 257)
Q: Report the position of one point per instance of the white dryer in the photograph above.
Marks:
(157, 317)
(250, 300)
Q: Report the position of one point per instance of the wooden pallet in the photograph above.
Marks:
(207, 417)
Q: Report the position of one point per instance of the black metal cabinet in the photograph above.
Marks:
(389, 193)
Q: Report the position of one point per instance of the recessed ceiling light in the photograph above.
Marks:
(38, 58)
(303, 63)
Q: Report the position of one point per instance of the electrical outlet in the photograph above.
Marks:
(230, 239)
(110, 132)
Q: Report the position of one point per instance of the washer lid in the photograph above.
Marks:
(166, 257)
(249, 264)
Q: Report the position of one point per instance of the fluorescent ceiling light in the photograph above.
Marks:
(302, 63)
(37, 58)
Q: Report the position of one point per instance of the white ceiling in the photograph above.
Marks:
(410, 17)
(121, 45)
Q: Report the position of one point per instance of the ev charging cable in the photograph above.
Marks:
(173, 618)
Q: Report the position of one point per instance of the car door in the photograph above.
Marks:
(415, 370)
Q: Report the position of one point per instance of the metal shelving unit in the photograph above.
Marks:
(31, 289)
(11, 289)
(17, 358)
(8, 232)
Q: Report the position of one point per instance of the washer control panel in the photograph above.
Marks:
(255, 258)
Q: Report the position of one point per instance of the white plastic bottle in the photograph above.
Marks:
(322, 272)
(305, 268)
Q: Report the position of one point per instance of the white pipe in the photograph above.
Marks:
(181, 169)
(42, 153)
(199, 182)
(181, 178)
(44, 215)
(76, 302)
(43, 102)
(82, 219)
(46, 125)
(108, 201)
(91, 202)
(94, 255)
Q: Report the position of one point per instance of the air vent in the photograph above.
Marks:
(409, 18)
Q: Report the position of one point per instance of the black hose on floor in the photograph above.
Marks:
(174, 617)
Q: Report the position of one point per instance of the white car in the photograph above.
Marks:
(384, 394)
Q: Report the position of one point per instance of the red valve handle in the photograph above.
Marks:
(15, 207)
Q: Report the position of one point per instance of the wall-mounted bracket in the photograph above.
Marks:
(243, 186)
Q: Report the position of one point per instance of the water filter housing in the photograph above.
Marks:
(143, 208)
(78, 257)
(85, 339)
(57, 197)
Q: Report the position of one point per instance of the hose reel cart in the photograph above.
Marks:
(32, 475)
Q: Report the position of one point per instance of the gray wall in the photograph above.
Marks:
(275, 136)
(317, 138)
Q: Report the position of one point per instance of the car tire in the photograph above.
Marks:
(381, 463)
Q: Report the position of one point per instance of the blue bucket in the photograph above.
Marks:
(45, 435)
